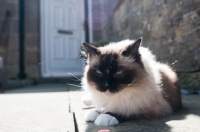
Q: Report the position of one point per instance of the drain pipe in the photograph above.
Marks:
(21, 73)
(86, 21)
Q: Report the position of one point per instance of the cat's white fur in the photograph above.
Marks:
(100, 119)
(87, 100)
(105, 120)
(91, 115)
(133, 99)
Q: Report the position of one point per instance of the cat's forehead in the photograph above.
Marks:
(104, 58)
(110, 56)
(115, 47)
(110, 59)
(108, 62)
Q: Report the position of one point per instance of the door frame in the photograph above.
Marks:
(44, 37)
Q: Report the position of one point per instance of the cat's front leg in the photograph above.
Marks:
(87, 99)
(106, 120)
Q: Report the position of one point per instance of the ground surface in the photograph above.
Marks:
(58, 108)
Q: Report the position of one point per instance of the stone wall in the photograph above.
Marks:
(31, 37)
(12, 44)
(170, 28)
(102, 11)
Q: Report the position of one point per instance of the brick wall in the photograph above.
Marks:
(12, 32)
(31, 41)
(32, 38)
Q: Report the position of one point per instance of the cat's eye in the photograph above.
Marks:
(118, 73)
(98, 72)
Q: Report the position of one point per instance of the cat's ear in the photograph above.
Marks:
(133, 48)
(89, 50)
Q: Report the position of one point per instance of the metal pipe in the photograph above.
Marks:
(86, 21)
(21, 74)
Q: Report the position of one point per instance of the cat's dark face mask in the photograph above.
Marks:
(113, 71)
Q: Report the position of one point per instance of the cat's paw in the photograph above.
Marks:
(91, 115)
(87, 99)
(106, 120)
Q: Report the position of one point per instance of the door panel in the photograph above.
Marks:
(59, 48)
(65, 34)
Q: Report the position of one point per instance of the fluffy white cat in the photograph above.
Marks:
(125, 81)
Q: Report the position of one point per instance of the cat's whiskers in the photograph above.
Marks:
(124, 65)
(142, 80)
(74, 76)
(76, 79)
(73, 85)
(128, 59)
(131, 83)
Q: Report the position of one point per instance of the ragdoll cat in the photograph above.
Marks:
(125, 82)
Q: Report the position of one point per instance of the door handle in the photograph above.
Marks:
(67, 32)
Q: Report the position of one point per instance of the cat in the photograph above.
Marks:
(125, 81)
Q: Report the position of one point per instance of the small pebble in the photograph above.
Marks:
(102, 109)
(104, 131)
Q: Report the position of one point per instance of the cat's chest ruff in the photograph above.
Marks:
(131, 102)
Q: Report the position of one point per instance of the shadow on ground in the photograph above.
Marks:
(64, 95)
(186, 119)
(42, 88)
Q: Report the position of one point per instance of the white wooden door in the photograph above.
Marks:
(62, 29)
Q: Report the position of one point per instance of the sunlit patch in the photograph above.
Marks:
(184, 122)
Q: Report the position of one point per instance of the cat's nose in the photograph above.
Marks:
(106, 83)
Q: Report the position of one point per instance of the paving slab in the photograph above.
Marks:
(43, 108)
(185, 120)
(58, 108)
